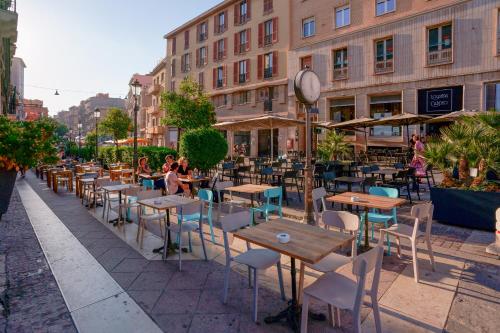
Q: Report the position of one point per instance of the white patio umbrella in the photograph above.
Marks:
(264, 122)
(403, 119)
(452, 116)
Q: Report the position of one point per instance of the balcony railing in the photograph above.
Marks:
(219, 83)
(243, 19)
(440, 57)
(268, 72)
(243, 48)
(154, 89)
(340, 73)
(202, 37)
(186, 68)
(153, 109)
(242, 78)
(220, 28)
(8, 5)
(220, 56)
(268, 105)
(268, 39)
(384, 66)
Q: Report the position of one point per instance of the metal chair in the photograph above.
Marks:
(144, 217)
(207, 198)
(275, 193)
(255, 259)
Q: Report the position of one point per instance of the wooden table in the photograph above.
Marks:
(117, 174)
(307, 243)
(154, 176)
(117, 189)
(367, 201)
(251, 189)
(166, 203)
(62, 173)
(349, 181)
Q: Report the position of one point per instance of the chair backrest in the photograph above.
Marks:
(90, 175)
(274, 192)
(372, 262)
(365, 170)
(143, 195)
(148, 184)
(108, 182)
(231, 223)
(422, 214)
(267, 171)
(369, 182)
(318, 194)
(345, 221)
(290, 174)
(399, 166)
(227, 165)
(328, 176)
(384, 192)
(132, 191)
(220, 186)
(206, 196)
(374, 167)
(297, 166)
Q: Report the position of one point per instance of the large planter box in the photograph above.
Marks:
(7, 181)
(470, 209)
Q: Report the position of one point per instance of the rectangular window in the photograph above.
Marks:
(220, 49)
(172, 85)
(306, 62)
(268, 6)
(201, 80)
(203, 32)
(498, 32)
(342, 16)
(381, 107)
(202, 56)
(220, 77)
(172, 67)
(220, 101)
(268, 32)
(308, 27)
(492, 96)
(268, 65)
(186, 62)
(243, 12)
(186, 39)
(384, 62)
(174, 45)
(340, 64)
(385, 6)
(242, 68)
(220, 23)
(243, 41)
(342, 109)
(242, 97)
(439, 45)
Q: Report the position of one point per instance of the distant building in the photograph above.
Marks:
(17, 83)
(8, 38)
(157, 134)
(34, 109)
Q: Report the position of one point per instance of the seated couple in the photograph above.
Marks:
(174, 185)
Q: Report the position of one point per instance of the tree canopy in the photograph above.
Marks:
(203, 147)
(117, 124)
(188, 109)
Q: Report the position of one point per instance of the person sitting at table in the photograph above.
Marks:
(184, 169)
(174, 185)
(169, 159)
(143, 166)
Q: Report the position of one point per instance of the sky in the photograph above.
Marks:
(82, 47)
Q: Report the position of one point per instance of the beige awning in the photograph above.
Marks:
(449, 117)
(354, 123)
(403, 119)
(264, 122)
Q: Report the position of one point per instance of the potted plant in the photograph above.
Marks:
(203, 147)
(470, 200)
(23, 144)
(333, 147)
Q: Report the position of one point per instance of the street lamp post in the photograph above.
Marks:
(136, 86)
(307, 90)
(79, 141)
(97, 114)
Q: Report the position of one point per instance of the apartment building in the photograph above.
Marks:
(8, 38)
(237, 51)
(156, 133)
(377, 58)
(34, 109)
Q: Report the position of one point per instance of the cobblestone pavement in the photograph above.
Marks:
(31, 300)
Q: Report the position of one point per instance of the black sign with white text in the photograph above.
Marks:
(440, 100)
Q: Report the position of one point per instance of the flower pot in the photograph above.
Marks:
(7, 181)
(465, 208)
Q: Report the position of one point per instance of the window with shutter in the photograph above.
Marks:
(172, 67)
(247, 74)
(186, 39)
(268, 32)
(235, 73)
(275, 30)
(224, 68)
(236, 43)
(248, 35)
(268, 7)
(268, 65)
(174, 46)
(201, 80)
(439, 45)
(260, 66)
(216, 50)
(214, 78)
(242, 71)
(261, 34)
(275, 63)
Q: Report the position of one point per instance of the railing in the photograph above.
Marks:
(268, 72)
(340, 73)
(242, 78)
(268, 105)
(268, 39)
(220, 29)
(498, 41)
(243, 48)
(8, 5)
(186, 68)
(220, 56)
(268, 8)
(243, 19)
(202, 36)
(219, 83)
(440, 57)
(383, 66)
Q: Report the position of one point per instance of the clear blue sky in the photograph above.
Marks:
(94, 45)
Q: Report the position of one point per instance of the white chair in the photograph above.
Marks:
(344, 221)
(341, 292)
(183, 226)
(256, 259)
(109, 198)
(220, 187)
(144, 217)
(319, 204)
(423, 215)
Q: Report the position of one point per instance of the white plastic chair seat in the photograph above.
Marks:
(184, 227)
(330, 263)
(155, 216)
(258, 258)
(335, 289)
(402, 230)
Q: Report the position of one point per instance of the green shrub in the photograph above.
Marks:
(155, 155)
(203, 147)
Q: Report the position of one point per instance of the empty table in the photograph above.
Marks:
(249, 189)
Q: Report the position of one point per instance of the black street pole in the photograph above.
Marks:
(96, 141)
(79, 142)
(136, 109)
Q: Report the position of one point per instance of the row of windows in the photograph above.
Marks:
(439, 51)
(342, 16)
(264, 95)
(242, 14)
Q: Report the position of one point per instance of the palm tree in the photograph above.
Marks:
(333, 146)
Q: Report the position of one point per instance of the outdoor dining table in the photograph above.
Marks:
(166, 203)
(307, 243)
(251, 189)
(84, 184)
(367, 201)
(349, 181)
(384, 172)
(154, 176)
(117, 189)
(65, 174)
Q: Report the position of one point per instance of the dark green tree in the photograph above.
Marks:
(203, 147)
(117, 124)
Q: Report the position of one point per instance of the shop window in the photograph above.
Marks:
(492, 96)
(439, 45)
(342, 109)
(242, 141)
(306, 62)
(340, 64)
(384, 54)
(381, 107)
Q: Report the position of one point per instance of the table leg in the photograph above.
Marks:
(367, 243)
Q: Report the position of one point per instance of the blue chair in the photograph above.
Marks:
(265, 173)
(268, 206)
(329, 181)
(148, 184)
(375, 216)
(207, 197)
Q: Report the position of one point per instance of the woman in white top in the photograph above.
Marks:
(174, 185)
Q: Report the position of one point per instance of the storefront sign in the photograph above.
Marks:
(440, 100)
